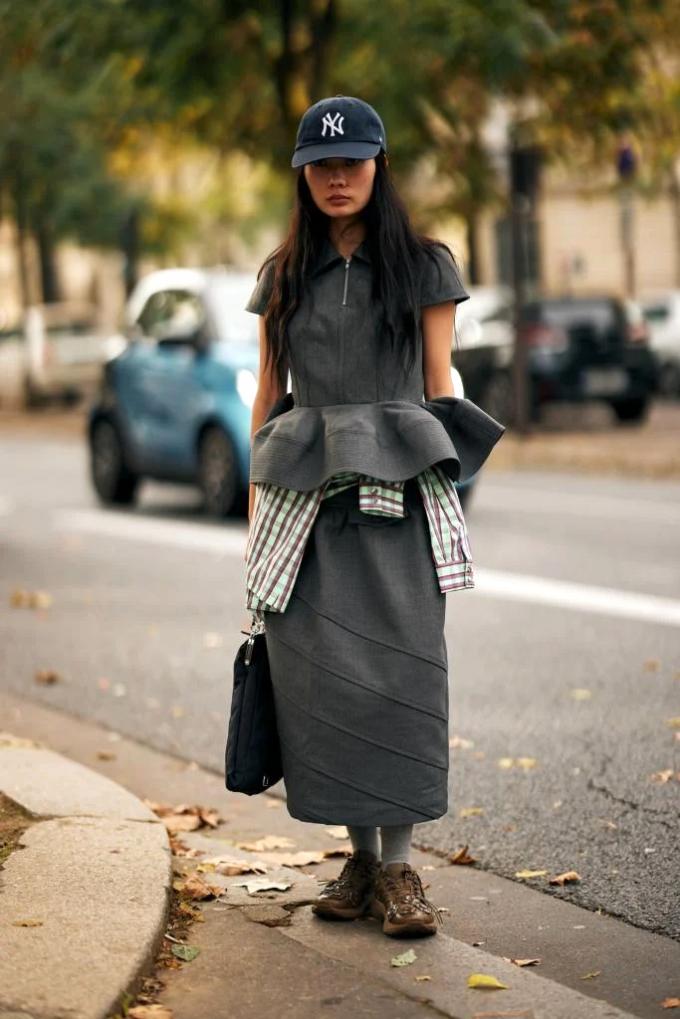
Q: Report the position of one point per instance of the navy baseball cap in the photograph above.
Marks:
(339, 126)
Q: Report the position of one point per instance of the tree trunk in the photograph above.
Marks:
(48, 269)
(472, 233)
(20, 218)
(674, 191)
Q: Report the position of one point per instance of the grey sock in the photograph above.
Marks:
(365, 838)
(396, 843)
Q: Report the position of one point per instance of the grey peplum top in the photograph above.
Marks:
(353, 405)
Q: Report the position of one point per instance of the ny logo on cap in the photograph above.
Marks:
(334, 122)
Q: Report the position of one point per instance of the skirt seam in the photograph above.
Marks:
(364, 686)
(365, 739)
(372, 640)
(353, 785)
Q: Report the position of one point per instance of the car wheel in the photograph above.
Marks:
(218, 473)
(113, 482)
(498, 398)
(632, 411)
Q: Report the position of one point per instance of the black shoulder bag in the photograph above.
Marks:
(253, 755)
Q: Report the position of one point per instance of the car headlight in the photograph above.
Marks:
(246, 386)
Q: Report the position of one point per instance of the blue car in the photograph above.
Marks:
(175, 401)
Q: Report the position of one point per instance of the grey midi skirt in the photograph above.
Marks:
(359, 668)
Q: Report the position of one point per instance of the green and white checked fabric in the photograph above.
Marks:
(283, 518)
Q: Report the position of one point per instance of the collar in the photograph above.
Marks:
(329, 255)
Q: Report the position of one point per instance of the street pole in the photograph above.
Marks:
(519, 360)
(626, 166)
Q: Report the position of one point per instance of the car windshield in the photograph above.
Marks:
(229, 298)
(600, 313)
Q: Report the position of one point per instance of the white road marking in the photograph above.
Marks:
(221, 540)
(577, 504)
(231, 541)
(566, 594)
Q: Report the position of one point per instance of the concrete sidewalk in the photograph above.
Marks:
(95, 871)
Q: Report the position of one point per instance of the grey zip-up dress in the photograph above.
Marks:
(359, 659)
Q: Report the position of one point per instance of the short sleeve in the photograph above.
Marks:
(440, 280)
(259, 298)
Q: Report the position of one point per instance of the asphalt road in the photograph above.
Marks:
(566, 655)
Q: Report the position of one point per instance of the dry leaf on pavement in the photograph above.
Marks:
(194, 887)
(47, 677)
(522, 962)
(461, 857)
(459, 743)
(670, 1003)
(662, 776)
(592, 975)
(150, 1012)
(262, 884)
(230, 866)
(562, 879)
(337, 831)
(404, 959)
(27, 923)
(424, 976)
(482, 981)
(266, 843)
(300, 859)
(470, 811)
(530, 873)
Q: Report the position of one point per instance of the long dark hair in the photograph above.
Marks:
(396, 252)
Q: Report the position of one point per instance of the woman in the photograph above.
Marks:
(356, 531)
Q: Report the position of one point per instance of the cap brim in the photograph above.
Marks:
(338, 150)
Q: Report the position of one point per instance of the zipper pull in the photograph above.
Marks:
(344, 293)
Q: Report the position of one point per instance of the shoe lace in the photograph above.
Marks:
(354, 865)
(407, 888)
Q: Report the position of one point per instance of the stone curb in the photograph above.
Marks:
(85, 894)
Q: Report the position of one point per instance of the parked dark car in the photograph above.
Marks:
(579, 348)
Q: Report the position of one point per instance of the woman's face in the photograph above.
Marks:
(340, 186)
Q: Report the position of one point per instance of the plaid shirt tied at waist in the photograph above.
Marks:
(283, 518)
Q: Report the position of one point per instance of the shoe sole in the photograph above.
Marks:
(411, 930)
(329, 912)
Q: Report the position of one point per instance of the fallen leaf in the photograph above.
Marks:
(524, 962)
(194, 887)
(300, 859)
(506, 762)
(580, 694)
(182, 822)
(337, 851)
(106, 755)
(662, 776)
(461, 857)
(670, 1003)
(530, 873)
(174, 817)
(423, 976)
(405, 959)
(177, 711)
(482, 981)
(567, 878)
(187, 953)
(458, 743)
(674, 722)
(338, 831)
(651, 665)
(230, 866)
(150, 1012)
(47, 677)
(526, 763)
(263, 884)
(267, 842)
(20, 599)
(470, 811)
(591, 976)
(27, 923)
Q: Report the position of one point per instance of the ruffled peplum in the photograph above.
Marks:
(300, 447)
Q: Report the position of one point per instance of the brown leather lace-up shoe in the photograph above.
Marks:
(347, 896)
(399, 901)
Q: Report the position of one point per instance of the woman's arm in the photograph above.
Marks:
(437, 326)
(269, 390)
